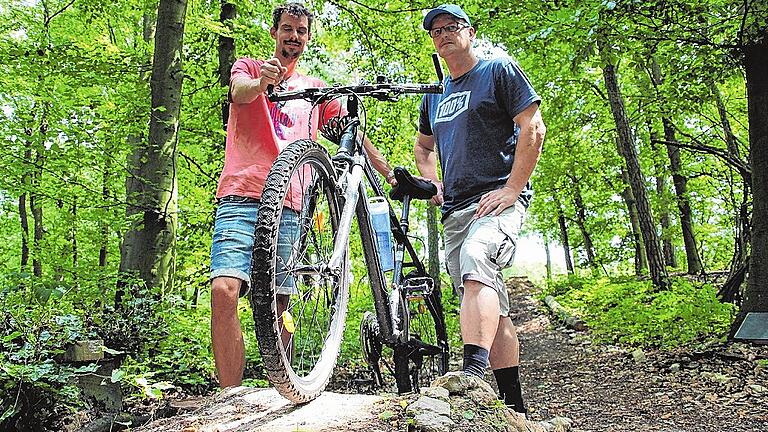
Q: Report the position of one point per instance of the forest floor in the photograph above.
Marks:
(715, 387)
(603, 388)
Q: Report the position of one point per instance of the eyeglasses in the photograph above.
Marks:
(450, 28)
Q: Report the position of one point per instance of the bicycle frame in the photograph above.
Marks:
(352, 154)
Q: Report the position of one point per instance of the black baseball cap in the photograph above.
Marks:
(450, 9)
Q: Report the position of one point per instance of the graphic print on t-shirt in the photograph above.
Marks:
(450, 107)
(281, 119)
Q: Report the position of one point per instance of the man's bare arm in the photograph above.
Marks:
(245, 90)
(426, 163)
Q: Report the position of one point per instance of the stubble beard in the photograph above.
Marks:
(289, 55)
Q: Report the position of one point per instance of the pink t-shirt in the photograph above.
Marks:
(258, 131)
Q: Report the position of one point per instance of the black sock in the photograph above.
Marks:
(508, 380)
(475, 360)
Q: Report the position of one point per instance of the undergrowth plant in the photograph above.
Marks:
(630, 312)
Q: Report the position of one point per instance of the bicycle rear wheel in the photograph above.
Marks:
(425, 356)
(298, 217)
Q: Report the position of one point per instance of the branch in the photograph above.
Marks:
(384, 10)
(197, 165)
(50, 18)
(740, 166)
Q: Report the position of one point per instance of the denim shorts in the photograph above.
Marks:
(478, 249)
(233, 236)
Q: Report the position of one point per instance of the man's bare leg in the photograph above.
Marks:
(505, 351)
(226, 335)
(479, 321)
(282, 301)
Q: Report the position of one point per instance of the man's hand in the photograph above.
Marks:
(271, 73)
(495, 202)
(437, 200)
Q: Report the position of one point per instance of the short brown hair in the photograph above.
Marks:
(293, 9)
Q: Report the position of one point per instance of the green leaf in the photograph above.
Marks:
(89, 368)
(12, 336)
(468, 414)
(117, 375)
(10, 412)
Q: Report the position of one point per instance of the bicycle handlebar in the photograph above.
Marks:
(382, 90)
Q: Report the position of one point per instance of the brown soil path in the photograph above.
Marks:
(720, 388)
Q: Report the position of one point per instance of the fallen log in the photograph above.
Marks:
(570, 321)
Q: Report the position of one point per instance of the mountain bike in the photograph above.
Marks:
(321, 195)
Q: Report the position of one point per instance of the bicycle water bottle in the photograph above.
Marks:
(379, 210)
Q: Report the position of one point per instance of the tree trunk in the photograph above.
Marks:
(581, 222)
(756, 66)
(641, 262)
(731, 288)
(730, 139)
(23, 215)
(433, 244)
(36, 206)
(73, 234)
(668, 249)
(103, 226)
(148, 250)
(564, 240)
(680, 182)
(226, 54)
(549, 260)
(627, 149)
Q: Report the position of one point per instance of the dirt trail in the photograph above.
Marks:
(601, 388)
(720, 388)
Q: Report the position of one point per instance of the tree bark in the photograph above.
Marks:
(226, 55)
(564, 240)
(756, 67)
(433, 245)
(549, 260)
(627, 149)
(148, 250)
(641, 262)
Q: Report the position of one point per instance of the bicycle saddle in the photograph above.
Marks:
(407, 184)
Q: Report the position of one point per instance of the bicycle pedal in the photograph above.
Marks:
(418, 287)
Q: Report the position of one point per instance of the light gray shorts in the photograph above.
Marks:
(479, 249)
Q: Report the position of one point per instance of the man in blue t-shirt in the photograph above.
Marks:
(487, 130)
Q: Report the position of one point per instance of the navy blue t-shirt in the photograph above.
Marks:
(472, 126)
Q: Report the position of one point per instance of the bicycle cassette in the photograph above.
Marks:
(371, 344)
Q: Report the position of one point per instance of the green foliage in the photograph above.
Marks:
(627, 311)
(74, 93)
(35, 388)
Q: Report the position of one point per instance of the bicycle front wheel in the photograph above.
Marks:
(299, 305)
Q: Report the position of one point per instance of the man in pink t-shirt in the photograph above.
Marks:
(256, 132)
